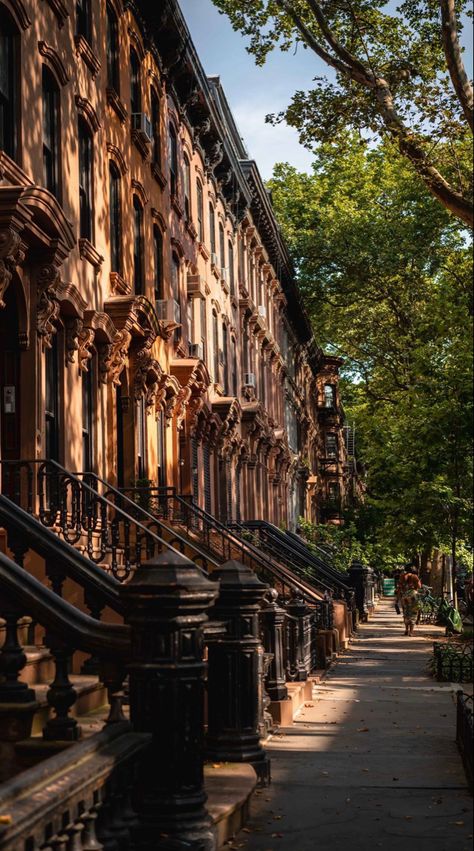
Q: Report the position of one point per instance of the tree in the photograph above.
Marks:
(385, 273)
(397, 74)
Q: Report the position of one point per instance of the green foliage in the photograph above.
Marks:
(388, 76)
(386, 276)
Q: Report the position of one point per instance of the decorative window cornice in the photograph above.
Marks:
(117, 105)
(159, 219)
(60, 10)
(139, 190)
(137, 43)
(117, 156)
(20, 13)
(85, 108)
(89, 253)
(52, 56)
(84, 49)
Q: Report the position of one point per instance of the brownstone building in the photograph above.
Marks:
(151, 327)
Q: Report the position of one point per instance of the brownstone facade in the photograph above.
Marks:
(150, 323)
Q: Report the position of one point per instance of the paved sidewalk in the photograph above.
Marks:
(371, 761)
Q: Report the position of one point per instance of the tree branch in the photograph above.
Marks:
(452, 50)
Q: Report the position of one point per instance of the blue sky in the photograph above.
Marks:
(254, 92)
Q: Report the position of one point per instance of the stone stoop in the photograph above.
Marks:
(283, 712)
(229, 787)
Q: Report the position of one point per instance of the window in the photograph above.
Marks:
(212, 229)
(115, 219)
(175, 269)
(51, 412)
(135, 83)
(156, 128)
(138, 246)
(215, 343)
(8, 84)
(158, 254)
(224, 358)
(187, 190)
(85, 181)
(161, 434)
(87, 420)
(113, 68)
(333, 491)
(263, 395)
(331, 446)
(141, 440)
(173, 145)
(234, 367)
(83, 19)
(242, 275)
(50, 132)
(222, 245)
(230, 249)
(190, 316)
(329, 396)
(200, 211)
(203, 318)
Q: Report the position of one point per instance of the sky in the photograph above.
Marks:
(253, 92)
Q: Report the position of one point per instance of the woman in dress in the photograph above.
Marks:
(408, 587)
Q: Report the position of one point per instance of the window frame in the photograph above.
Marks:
(86, 187)
(9, 100)
(51, 104)
(138, 247)
(113, 49)
(84, 20)
(173, 161)
(135, 83)
(200, 210)
(115, 221)
(158, 263)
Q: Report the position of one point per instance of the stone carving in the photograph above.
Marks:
(47, 316)
(119, 356)
(215, 156)
(11, 255)
(86, 338)
(73, 328)
(146, 381)
(104, 358)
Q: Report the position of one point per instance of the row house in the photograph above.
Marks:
(151, 328)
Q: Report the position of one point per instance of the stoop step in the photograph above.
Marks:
(229, 787)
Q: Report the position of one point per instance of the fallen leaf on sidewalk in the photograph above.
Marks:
(363, 730)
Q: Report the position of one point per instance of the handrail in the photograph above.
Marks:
(136, 507)
(47, 544)
(310, 559)
(256, 556)
(81, 631)
(110, 539)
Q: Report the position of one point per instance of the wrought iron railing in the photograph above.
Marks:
(465, 731)
(453, 661)
(112, 530)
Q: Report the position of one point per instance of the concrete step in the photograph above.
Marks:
(229, 787)
(39, 668)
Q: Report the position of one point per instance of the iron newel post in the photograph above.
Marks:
(167, 603)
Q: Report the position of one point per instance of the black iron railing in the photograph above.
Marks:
(465, 731)
(453, 661)
(111, 529)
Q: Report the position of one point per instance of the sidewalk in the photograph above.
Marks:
(371, 761)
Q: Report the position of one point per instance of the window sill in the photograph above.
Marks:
(117, 105)
(84, 50)
(158, 175)
(141, 144)
(89, 253)
(118, 286)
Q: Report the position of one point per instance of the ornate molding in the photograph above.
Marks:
(52, 56)
(137, 43)
(89, 253)
(84, 50)
(118, 158)
(60, 10)
(72, 328)
(87, 111)
(114, 101)
(47, 315)
(117, 356)
(147, 377)
(139, 189)
(85, 341)
(11, 255)
(20, 13)
(118, 286)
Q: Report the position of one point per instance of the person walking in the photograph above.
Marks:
(408, 587)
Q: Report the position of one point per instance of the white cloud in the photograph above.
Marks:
(267, 144)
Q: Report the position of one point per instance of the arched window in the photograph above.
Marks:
(50, 132)
(83, 19)
(135, 83)
(234, 367)
(230, 251)
(212, 228)
(173, 153)
(85, 182)
(242, 275)
(224, 358)
(156, 128)
(187, 189)
(222, 245)
(9, 64)
(115, 219)
(158, 257)
(88, 409)
(113, 67)
(200, 211)
(138, 246)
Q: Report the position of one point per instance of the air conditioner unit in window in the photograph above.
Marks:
(196, 350)
(214, 259)
(168, 310)
(262, 311)
(249, 379)
(142, 124)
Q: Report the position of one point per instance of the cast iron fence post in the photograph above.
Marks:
(273, 620)
(234, 670)
(358, 576)
(300, 638)
(167, 602)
